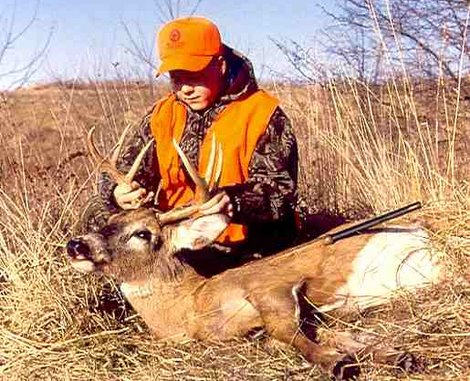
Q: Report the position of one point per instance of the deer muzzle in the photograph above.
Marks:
(79, 250)
(86, 254)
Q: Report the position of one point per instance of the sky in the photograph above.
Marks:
(88, 38)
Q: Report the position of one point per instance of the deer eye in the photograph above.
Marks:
(143, 234)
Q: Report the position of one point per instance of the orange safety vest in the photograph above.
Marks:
(237, 128)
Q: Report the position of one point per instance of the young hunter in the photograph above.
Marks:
(214, 91)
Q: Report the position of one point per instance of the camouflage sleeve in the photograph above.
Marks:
(270, 192)
(147, 175)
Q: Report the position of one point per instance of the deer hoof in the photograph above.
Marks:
(346, 369)
(408, 363)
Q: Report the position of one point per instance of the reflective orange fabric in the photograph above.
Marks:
(238, 128)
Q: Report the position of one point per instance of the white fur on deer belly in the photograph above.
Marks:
(390, 261)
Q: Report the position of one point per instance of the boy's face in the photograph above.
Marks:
(199, 89)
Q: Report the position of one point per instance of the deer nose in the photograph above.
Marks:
(78, 249)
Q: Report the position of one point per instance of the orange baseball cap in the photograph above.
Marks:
(188, 43)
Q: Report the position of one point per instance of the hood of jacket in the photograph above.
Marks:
(240, 78)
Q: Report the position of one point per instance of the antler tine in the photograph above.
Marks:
(210, 163)
(202, 188)
(212, 176)
(103, 163)
(138, 160)
(218, 168)
(119, 144)
(201, 185)
(177, 214)
(109, 166)
(184, 212)
(97, 157)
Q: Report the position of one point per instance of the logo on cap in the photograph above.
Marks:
(175, 35)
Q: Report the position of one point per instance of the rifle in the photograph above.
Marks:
(332, 238)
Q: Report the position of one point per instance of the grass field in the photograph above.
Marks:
(363, 151)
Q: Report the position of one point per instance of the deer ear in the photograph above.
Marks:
(195, 234)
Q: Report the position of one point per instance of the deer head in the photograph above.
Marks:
(135, 245)
(138, 243)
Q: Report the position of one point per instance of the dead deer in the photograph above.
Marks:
(145, 251)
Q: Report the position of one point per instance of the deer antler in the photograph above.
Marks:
(212, 176)
(109, 166)
(204, 185)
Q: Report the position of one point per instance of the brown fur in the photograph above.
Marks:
(182, 304)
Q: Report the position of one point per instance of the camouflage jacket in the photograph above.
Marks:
(267, 199)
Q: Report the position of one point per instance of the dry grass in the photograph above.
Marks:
(363, 150)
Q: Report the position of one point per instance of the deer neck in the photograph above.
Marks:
(158, 283)
(166, 306)
(137, 290)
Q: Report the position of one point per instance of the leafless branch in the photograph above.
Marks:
(412, 32)
(10, 36)
(139, 48)
(170, 9)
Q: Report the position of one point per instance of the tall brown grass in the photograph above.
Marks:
(363, 150)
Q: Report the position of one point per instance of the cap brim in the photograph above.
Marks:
(189, 63)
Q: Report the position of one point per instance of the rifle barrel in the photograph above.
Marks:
(332, 238)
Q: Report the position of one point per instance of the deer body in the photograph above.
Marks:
(272, 293)
(357, 272)
(144, 250)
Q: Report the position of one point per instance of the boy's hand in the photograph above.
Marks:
(223, 205)
(131, 196)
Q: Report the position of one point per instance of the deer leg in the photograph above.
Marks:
(365, 346)
(309, 318)
(281, 315)
(401, 360)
